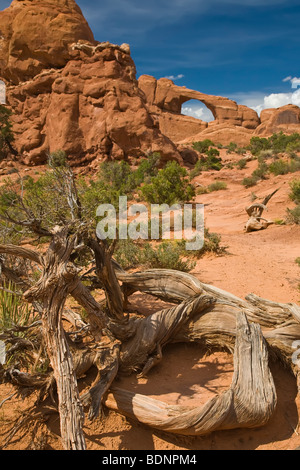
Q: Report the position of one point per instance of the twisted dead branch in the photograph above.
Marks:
(116, 343)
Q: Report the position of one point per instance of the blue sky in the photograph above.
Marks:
(241, 49)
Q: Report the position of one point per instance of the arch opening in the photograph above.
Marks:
(2, 92)
(198, 110)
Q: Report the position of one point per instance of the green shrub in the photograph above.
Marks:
(127, 254)
(212, 152)
(283, 167)
(266, 154)
(241, 151)
(261, 171)
(250, 181)
(297, 260)
(212, 243)
(6, 134)
(167, 255)
(15, 312)
(169, 186)
(295, 194)
(147, 168)
(203, 145)
(217, 186)
(232, 147)
(211, 162)
(293, 215)
(277, 143)
(279, 222)
(241, 164)
(202, 190)
(279, 167)
(257, 144)
(281, 142)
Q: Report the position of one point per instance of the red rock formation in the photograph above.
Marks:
(35, 35)
(70, 92)
(286, 119)
(166, 99)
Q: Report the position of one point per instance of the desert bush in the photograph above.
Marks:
(6, 133)
(203, 145)
(242, 163)
(14, 311)
(261, 171)
(212, 153)
(128, 254)
(232, 147)
(279, 167)
(147, 168)
(257, 175)
(283, 167)
(297, 260)
(293, 215)
(168, 254)
(212, 243)
(279, 222)
(16, 316)
(211, 162)
(257, 144)
(202, 190)
(217, 186)
(295, 194)
(250, 181)
(277, 143)
(266, 154)
(169, 186)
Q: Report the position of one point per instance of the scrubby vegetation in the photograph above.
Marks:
(25, 197)
(169, 186)
(294, 214)
(6, 134)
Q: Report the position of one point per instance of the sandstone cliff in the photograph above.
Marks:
(68, 91)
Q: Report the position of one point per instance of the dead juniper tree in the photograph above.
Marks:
(54, 234)
(255, 211)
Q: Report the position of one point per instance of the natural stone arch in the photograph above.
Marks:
(197, 109)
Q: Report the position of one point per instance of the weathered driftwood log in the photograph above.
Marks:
(215, 325)
(249, 402)
(202, 313)
(151, 334)
(255, 211)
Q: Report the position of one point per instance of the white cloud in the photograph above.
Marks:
(198, 111)
(295, 82)
(175, 77)
(287, 79)
(259, 101)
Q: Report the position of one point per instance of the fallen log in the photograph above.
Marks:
(249, 402)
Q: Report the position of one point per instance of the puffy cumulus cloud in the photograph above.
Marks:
(276, 100)
(259, 101)
(197, 110)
